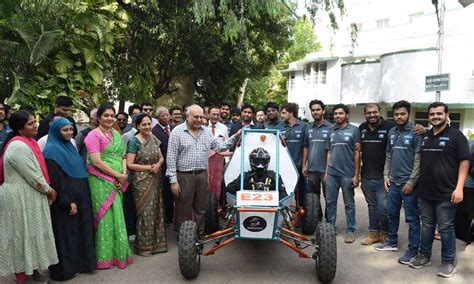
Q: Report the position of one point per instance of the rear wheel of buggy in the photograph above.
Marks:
(311, 217)
(326, 254)
(188, 253)
(212, 218)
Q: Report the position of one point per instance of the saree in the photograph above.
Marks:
(111, 239)
(147, 193)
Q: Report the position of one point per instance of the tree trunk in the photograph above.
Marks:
(121, 106)
(242, 88)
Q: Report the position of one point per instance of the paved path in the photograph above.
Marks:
(271, 262)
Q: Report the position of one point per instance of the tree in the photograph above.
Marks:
(51, 48)
(215, 44)
(272, 86)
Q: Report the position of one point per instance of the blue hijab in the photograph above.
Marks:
(63, 152)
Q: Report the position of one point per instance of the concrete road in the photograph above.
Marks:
(271, 262)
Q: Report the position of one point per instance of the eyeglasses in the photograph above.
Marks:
(147, 109)
(122, 119)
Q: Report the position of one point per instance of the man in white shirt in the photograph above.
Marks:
(217, 160)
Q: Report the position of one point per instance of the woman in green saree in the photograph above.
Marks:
(106, 166)
(144, 159)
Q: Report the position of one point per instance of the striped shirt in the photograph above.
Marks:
(189, 153)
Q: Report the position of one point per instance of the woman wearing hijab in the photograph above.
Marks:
(26, 234)
(71, 214)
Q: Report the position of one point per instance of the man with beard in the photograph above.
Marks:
(342, 171)
(247, 114)
(374, 139)
(314, 150)
(122, 122)
(176, 116)
(63, 108)
(4, 128)
(444, 168)
(401, 173)
(224, 118)
(273, 116)
(293, 131)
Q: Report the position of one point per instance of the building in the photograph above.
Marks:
(395, 51)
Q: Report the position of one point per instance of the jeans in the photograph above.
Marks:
(315, 182)
(376, 197)
(441, 213)
(333, 184)
(395, 198)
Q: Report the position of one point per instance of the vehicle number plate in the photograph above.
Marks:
(257, 198)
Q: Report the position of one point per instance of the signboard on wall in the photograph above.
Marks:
(437, 83)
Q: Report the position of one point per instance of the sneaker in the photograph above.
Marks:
(349, 238)
(447, 270)
(372, 238)
(387, 246)
(420, 261)
(407, 257)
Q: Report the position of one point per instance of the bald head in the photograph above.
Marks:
(194, 114)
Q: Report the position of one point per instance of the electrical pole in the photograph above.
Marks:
(440, 9)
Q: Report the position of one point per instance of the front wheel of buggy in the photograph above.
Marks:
(311, 217)
(188, 254)
(326, 254)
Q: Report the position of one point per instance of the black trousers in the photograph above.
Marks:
(168, 200)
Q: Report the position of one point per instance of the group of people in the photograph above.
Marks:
(71, 200)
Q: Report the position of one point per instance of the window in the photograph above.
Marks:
(382, 23)
(318, 74)
(291, 82)
(390, 115)
(307, 73)
(329, 116)
(422, 117)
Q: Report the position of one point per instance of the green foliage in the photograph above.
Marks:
(216, 44)
(96, 50)
(272, 86)
(327, 7)
(303, 41)
(52, 48)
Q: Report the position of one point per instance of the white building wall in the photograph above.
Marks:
(360, 83)
(305, 91)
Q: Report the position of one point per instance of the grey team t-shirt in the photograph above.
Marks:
(403, 145)
(342, 146)
(315, 140)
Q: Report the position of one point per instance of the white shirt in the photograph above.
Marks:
(221, 132)
(154, 122)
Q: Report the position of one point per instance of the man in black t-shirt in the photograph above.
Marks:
(443, 170)
(373, 138)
